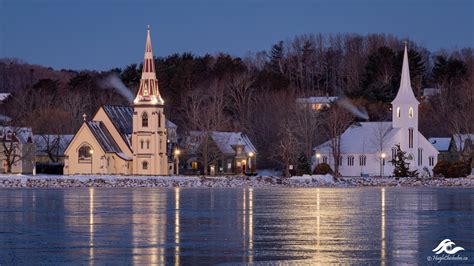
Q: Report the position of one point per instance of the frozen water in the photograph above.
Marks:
(233, 225)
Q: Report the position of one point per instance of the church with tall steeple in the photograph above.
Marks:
(126, 139)
(368, 147)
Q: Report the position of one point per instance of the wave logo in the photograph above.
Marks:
(446, 246)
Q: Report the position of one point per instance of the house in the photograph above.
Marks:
(366, 148)
(429, 93)
(4, 96)
(222, 152)
(17, 150)
(443, 145)
(50, 148)
(126, 139)
(316, 103)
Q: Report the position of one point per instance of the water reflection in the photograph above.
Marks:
(190, 226)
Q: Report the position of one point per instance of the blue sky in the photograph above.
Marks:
(101, 34)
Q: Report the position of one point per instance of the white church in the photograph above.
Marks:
(368, 147)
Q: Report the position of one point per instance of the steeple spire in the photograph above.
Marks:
(148, 93)
(405, 92)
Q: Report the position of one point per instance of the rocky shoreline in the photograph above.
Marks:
(22, 181)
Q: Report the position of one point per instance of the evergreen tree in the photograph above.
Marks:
(401, 167)
(304, 166)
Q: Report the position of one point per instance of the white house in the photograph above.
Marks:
(316, 103)
(367, 147)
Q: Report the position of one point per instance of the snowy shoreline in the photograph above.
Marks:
(48, 181)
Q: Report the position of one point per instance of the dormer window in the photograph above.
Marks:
(410, 112)
(398, 111)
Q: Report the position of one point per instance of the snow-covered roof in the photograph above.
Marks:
(224, 141)
(4, 96)
(122, 118)
(57, 143)
(21, 134)
(460, 140)
(441, 144)
(362, 137)
(103, 136)
(316, 100)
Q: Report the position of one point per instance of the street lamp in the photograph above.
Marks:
(251, 154)
(382, 163)
(318, 155)
(177, 152)
(91, 151)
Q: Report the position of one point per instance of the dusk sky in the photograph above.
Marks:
(99, 35)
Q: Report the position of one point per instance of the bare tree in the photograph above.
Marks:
(379, 139)
(17, 146)
(335, 122)
(287, 148)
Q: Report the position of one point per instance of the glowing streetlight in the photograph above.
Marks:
(382, 163)
(91, 151)
(251, 154)
(318, 155)
(177, 152)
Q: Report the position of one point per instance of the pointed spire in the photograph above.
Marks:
(405, 92)
(148, 93)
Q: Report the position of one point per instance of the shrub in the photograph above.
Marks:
(322, 169)
(441, 168)
(457, 169)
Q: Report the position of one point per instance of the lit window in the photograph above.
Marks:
(410, 112)
(144, 119)
(194, 165)
(85, 153)
(145, 165)
(398, 111)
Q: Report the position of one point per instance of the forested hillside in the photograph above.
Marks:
(256, 94)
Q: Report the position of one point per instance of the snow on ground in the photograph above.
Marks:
(54, 181)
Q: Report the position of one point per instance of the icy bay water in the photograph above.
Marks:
(212, 226)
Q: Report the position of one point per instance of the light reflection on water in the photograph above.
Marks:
(187, 226)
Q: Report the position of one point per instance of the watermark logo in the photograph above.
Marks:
(445, 251)
(446, 246)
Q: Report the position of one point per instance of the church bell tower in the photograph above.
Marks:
(405, 110)
(149, 131)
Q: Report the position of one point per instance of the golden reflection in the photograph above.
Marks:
(250, 225)
(176, 227)
(91, 225)
(382, 245)
(244, 217)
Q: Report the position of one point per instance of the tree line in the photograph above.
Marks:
(256, 94)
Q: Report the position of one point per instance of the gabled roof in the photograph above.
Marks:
(362, 137)
(22, 134)
(316, 100)
(58, 143)
(103, 136)
(441, 144)
(223, 140)
(405, 92)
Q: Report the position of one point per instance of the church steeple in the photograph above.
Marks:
(405, 92)
(149, 92)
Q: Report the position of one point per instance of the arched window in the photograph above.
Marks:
(398, 112)
(350, 160)
(410, 138)
(145, 165)
(394, 153)
(159, 119)
(147, 144)
(410, 112)
(340, 160)
(325, 159)
(362, 160)
(420, 156)
(144, 119)
(141, 144)
(85, 153)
